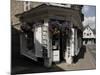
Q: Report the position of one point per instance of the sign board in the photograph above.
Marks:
(56, 56)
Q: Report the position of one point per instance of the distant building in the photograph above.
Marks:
(89, 36)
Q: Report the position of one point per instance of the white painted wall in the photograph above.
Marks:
(38, 41)
(72, 42)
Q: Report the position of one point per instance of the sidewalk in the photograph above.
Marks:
(88, 62)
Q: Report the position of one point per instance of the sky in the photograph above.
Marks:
(89, 16)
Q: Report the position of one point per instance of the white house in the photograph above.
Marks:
(88, 35)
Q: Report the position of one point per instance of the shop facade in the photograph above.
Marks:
(51, 33)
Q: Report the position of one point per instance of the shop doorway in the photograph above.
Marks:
(63, 41)
(59, 38)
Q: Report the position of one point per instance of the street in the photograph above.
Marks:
(92, 49)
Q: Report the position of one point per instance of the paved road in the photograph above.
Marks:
(92, 49)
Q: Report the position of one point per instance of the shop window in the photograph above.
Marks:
(27, 30)
(30, 38)
(87, 34)
(84, 33)
(55, 38)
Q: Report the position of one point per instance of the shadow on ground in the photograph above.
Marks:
(21, 64)
(80, 55)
